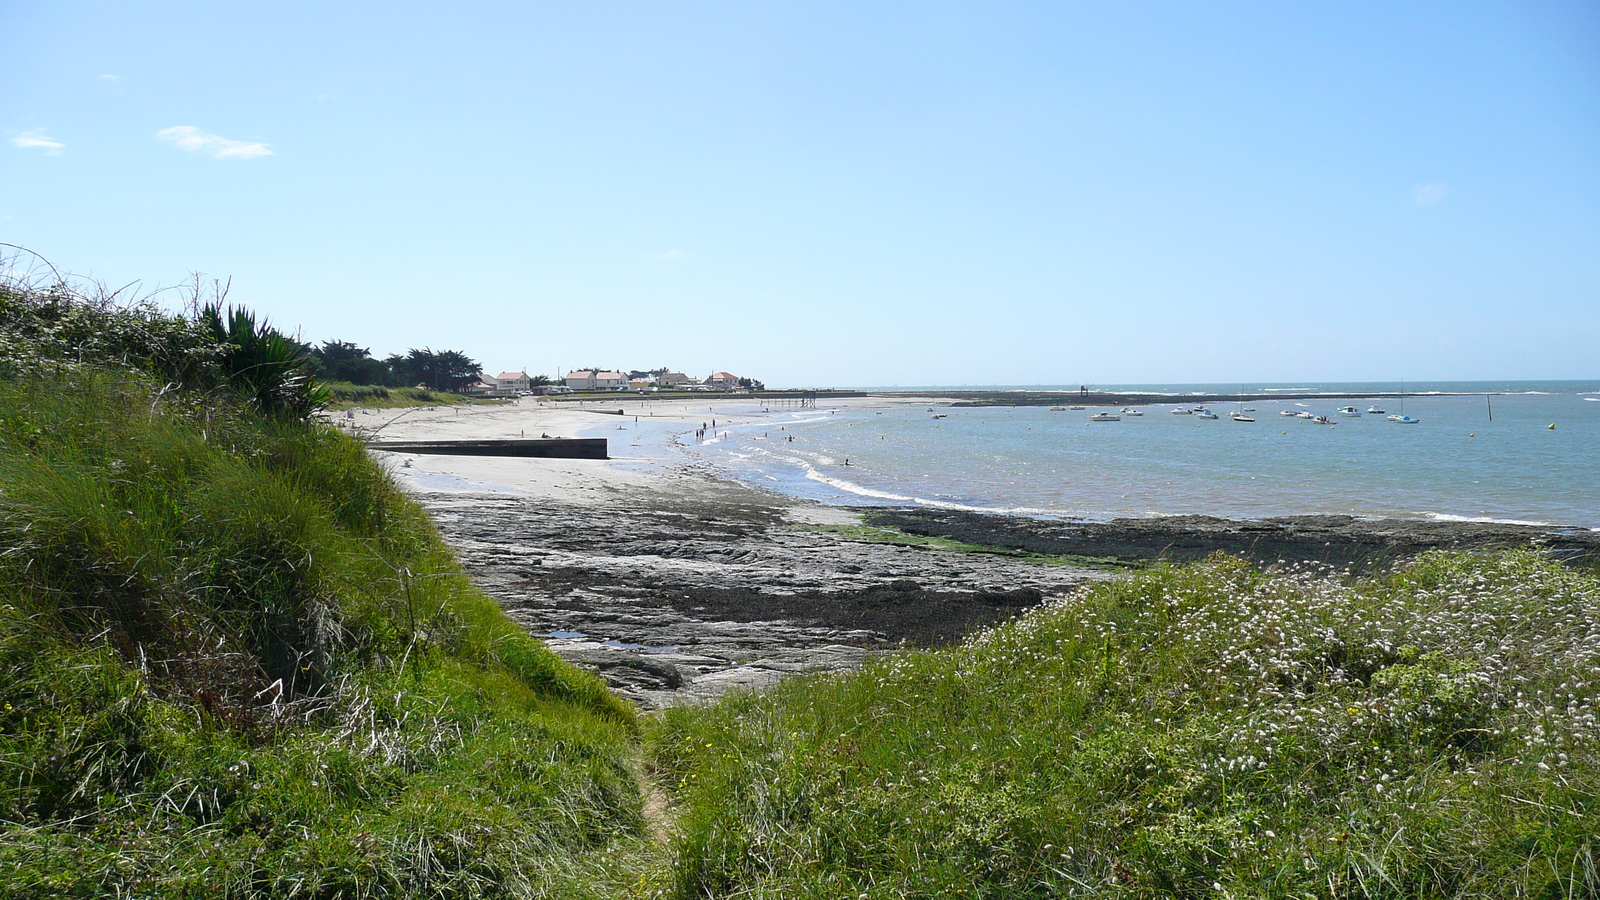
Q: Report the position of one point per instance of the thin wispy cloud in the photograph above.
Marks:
(111, 79)
(670, 254)
(38, 140)
(1428, 194)
(192, 139)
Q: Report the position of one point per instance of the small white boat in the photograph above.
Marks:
(1129, 411)
(1404, 420)
(1075, 407)
(1373, 410)
(1241, 417)
(1105, 417)
(1323, 420)
(1205, 414)
(1180, 411)
(1304, 414)
(1287, 412)
(1057, 408)
(1349, 411)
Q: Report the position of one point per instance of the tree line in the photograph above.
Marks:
(444, 370)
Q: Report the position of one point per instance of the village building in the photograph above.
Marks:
(513, 382)
(673, 379)
(594, 380)
(482, 387)
(722, 380)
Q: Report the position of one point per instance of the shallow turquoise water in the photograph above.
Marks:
(1456, 463)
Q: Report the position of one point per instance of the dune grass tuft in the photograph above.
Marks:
(236, 661)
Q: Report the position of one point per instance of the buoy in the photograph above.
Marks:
(1552, 426)
(1474, 434)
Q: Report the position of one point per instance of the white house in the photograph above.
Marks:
(512, 382)
(604, 380)
(581, 379)
(673, 379)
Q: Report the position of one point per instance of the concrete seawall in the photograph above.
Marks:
(545, 448)
(1097, 398)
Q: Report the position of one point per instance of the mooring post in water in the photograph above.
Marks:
(1490, 404)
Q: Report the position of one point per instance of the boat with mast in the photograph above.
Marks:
(1401, 418)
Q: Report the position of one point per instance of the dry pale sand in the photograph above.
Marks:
(567, 480)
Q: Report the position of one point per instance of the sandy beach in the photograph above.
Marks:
(676, 584)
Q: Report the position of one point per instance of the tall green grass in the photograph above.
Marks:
(1208, 731)
(236, 661)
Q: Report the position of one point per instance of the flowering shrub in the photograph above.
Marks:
(1197, 731)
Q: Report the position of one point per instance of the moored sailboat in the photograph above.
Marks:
(1401, 418)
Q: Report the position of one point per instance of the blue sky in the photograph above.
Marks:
(831, 194)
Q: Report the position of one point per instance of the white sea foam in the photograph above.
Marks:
(1488, 520)
(851, 487)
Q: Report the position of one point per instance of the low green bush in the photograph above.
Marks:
(1203, 731)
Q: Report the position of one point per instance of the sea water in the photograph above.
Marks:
(1458, 463)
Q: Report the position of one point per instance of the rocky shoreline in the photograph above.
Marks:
(678, 594)
(682, 587)
(1361, 545)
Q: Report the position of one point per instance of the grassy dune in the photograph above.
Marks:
(236, 661)
(344, 395)
(1207, 731)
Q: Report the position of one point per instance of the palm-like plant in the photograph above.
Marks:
(262, 364)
